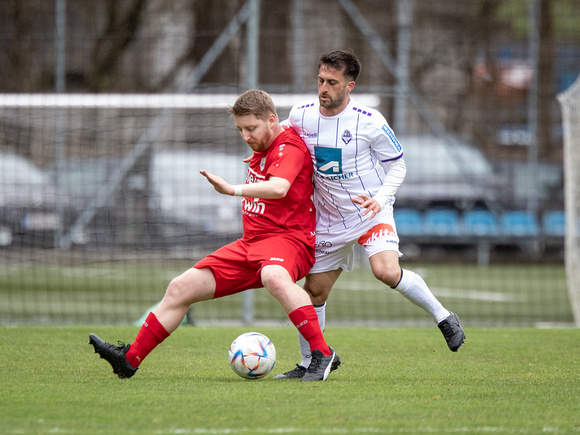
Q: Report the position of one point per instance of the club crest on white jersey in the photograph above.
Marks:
(346, 137)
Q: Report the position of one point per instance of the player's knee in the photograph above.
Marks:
(176, 290)
(389, 274)
(274, 281)
(181, 291)
(313, 292)
(318, 293)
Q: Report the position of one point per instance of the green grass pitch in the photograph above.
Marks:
(392, 380)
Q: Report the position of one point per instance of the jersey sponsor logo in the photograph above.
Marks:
(335, 177)
(346, 137)
(253, 207)
(276, 259)
(392, 136)
(377, 232)
(328, 160)
(310, 135)
(330, 167)
(323, 244)
(253, 177)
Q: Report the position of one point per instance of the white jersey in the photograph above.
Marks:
(346, 150)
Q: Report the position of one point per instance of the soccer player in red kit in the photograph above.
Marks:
(276, 250)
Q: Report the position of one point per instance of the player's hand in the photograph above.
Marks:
(218, 183)
(369, 204)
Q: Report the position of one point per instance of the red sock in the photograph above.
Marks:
(150, 335)
(306, 321)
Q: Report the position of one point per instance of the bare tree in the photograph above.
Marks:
(23, 55)
(545, 80)
(121, 25)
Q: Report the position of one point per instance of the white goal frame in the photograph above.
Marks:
(152, 101)
(570, 103)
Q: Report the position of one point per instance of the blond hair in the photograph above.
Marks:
(254, 102)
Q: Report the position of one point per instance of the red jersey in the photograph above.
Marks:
(287, 157)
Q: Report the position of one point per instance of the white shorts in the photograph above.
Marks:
(335, 249)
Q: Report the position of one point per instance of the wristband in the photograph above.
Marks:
(237, 190)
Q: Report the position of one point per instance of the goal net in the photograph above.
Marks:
(570, 102)
(111, 185)
(121, 171)
(118, 170)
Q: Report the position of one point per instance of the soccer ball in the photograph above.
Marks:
(252, 355)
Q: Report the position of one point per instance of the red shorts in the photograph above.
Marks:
(236, 267)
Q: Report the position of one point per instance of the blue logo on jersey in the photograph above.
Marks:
(392, 136)
(328, 160)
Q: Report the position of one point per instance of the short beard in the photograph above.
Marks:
(329, 104)
(333, 104)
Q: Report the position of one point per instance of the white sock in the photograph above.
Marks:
(414, 288)
(304, 346)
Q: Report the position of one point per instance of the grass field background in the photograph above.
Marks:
(121, 292)
(400, 379)
(393, 380)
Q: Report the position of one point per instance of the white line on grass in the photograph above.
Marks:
(286, 430)
(477, 295)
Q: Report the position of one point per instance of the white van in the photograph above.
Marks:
(180, 192)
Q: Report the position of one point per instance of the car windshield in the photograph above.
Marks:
(432, 157)
(16, 170)
(85, 177)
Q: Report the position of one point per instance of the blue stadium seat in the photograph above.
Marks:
(408, 221)
(481, 223)
(519, 223)
(441, 222)
(554, 223)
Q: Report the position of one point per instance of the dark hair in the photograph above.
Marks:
(254, 102)
(341, 60)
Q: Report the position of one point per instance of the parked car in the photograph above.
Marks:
(181, 193)
(440, 172)
(31, 211)
(165, 203)
(79, 181)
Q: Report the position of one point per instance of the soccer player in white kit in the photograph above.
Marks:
(354, 196)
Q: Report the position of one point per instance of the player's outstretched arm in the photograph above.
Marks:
(273, 188)
(218, 183)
